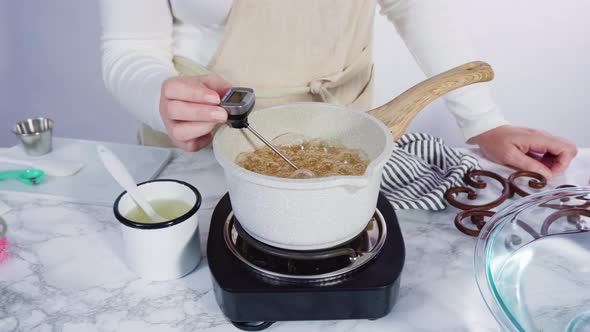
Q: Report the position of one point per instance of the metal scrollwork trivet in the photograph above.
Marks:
(477, 214)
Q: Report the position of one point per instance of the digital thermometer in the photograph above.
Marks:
(239, 102)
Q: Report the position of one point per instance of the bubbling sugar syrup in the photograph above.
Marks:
(314, 157)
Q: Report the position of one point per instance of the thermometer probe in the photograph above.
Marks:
(239, 102)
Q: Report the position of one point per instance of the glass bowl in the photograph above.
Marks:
(532, 262)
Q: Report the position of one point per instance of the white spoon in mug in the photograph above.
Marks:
(120, 173)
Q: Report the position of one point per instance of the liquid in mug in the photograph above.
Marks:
(167, 208)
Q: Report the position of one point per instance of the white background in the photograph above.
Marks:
(540, 50)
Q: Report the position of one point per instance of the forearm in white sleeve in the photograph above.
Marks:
(137, 54)
(438, 44)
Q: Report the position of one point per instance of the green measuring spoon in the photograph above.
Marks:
(31, 176)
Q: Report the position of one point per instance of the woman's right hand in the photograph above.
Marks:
(189, 106)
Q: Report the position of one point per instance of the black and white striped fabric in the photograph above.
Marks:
(421, 169)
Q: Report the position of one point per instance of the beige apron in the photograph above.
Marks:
(289, 51)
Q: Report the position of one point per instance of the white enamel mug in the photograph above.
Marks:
(165, 250)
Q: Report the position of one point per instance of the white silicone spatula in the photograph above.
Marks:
(49, 166)
(120, 173)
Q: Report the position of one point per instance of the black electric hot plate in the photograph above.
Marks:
(256, 285)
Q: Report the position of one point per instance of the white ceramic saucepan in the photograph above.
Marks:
(319, 213)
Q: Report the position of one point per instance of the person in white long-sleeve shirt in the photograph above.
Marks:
(142, 38)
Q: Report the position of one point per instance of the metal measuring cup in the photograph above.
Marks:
(35, 135)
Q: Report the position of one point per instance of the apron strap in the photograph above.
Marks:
(318, 87)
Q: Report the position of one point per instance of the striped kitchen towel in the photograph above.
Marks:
(421, 169)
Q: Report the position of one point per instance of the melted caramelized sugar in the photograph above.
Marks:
(315, 158)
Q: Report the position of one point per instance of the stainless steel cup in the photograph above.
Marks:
(35, 135)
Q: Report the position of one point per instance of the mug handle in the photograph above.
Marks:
(4, 226)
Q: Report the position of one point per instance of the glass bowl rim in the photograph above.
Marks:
(486, 239)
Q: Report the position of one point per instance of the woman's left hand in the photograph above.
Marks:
(516, 146)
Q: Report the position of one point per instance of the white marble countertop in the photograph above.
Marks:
(65, 271)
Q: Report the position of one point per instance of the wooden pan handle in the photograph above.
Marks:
(398, 113)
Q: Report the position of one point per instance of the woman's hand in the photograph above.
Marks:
(516, 146)
(189, 108)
